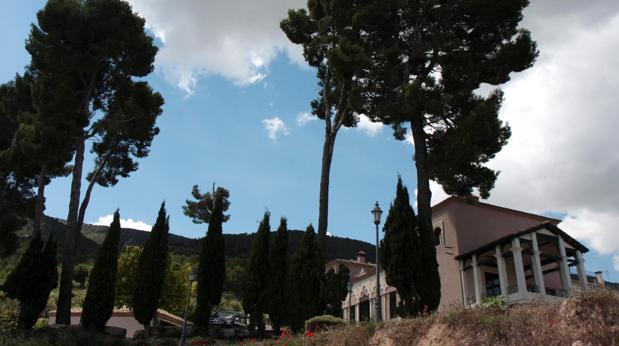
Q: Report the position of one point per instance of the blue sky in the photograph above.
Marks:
(213, 130)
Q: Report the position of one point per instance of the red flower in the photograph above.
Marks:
(309, 334)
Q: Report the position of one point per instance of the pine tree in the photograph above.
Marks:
(151, 270)
(212, 263)
(278, 295)
(336, 289)
(400, 253)
(99, 302)
(305, 281)
(31, 281)
(426, 59)
(331, 44)
(109, 50)
(257, 278)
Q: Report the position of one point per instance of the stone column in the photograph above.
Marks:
(463, 283)
(565, 270)
(500, 262)
(519, 266)
(582, 275)
(477, 280)
(537, 266)
(357, 318)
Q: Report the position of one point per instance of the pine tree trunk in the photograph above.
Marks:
(323, 205)
(40, 202)
(424, 195)
(431, 290)
(63, 313)
(21, 316)
(91, 185)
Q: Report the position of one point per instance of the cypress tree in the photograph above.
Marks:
(336, 289)
(212, 266)
(99, 301)
(34, 277)
(151, 271)
(400, 253)
(278, 295)
(257, 278)
(305, 281)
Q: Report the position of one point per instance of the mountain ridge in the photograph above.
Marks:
(236, 245)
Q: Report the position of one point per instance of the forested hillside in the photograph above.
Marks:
(237, 245)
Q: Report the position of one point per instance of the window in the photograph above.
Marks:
(493, 285)
(438, 236)
(393, 306)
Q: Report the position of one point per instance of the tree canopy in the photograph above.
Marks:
(257, 278)
(277, 300)
(212, 262)
(305, 281)
(33, 279)
(400, 253)
(151, 270)
(99, 302)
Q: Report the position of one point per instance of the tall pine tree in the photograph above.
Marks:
(209, 208)
(33, 279)
(400, 253)
(257, 278)
(306, 275)
(427, 59)
(99, 302)
(151, 270)
(331, 44)
(278, 294)
(108, 49)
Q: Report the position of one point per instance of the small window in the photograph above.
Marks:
(438, 236)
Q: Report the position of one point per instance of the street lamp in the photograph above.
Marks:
(349, 301)
(192, 278)
(377, 213)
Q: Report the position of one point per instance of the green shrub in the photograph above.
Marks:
(41, 323)
(497, 303)
(323, 322)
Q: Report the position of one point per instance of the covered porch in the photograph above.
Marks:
(529, 265)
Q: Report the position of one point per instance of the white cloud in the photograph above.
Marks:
(563, 155)
(124, 223)
(274, 126)
(598, 228)
(235, 39)
(368, 126)
(304, 118)
(616, 262)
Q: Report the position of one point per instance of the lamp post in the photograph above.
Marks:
(192, 278)
(349, 300)
(376, 213)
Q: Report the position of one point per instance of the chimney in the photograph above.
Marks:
(361, 256)
(599, 279)
(472, 199)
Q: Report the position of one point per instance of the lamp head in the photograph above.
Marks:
(377, 213)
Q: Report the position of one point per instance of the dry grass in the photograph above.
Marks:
(591, 318)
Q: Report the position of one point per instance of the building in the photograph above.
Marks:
(122, 318)
(483, 250)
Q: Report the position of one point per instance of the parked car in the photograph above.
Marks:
(228, 324)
